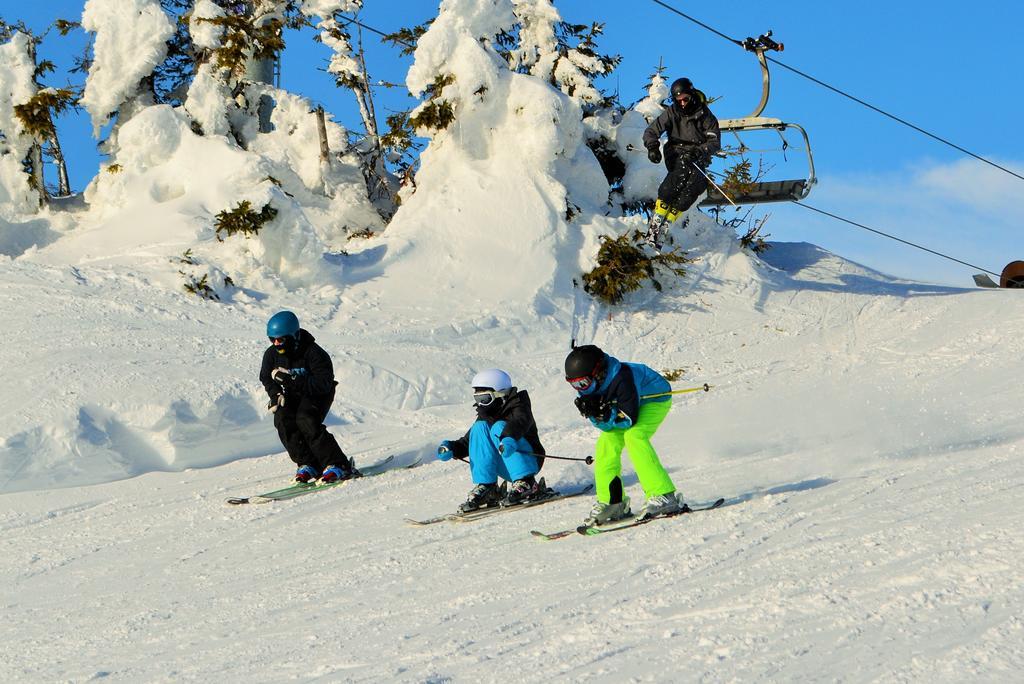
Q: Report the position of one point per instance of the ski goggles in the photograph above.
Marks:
(581, 383)
(485, 398)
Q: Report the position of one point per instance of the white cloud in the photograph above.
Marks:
(966, 209)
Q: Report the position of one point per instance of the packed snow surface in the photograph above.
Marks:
(864, 432)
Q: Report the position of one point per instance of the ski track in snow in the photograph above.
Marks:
(865, 437)
(906, 574)
(864, 430)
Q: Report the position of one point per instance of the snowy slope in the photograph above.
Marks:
(863, 430)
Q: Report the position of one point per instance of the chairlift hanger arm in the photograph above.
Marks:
(758, 46)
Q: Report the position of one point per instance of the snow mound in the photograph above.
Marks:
(489, 222)
(160, 199)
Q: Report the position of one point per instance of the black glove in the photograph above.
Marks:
(593, 406)
(695, 155)
(654, 154)
(276, 403)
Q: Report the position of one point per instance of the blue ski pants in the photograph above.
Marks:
(487, 465)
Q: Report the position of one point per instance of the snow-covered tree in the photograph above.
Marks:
(441, 48)
(17, 145)
(236, 46)
(348, 66)
(502, 144)
(651, 106)
(535, 49)
(615, 134)
(130, 42)
(209, 94)
(36, 115)
(172, 76)
(557, 51)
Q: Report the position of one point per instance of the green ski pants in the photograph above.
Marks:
(637, 439)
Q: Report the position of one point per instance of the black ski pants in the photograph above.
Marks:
(300, 425)
(684, 182)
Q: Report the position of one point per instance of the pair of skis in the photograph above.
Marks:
(386, 465)
(592, 530)
(303, 488)
(473, 516)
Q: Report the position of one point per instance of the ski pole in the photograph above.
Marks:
(588, 460)
(705, 387)
(696, 166)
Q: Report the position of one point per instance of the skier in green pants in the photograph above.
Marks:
(616, 397)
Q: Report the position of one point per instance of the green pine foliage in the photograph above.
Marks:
(623, 267)
(739, 179)
(364, 234)
(36, 115)
(243, 38)
(248, 35)
(199, 287)
(753, 240)
(243, 219)
(586, 36)
(406, 38)
(399, 137)
(574, 42)
(199, 284)
(437, 114)
(673, 374)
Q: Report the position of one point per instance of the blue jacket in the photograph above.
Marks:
(622, 387)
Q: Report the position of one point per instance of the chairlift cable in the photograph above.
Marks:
(353, 20)
(670, 8)
(893, 237)
(844, 94)
(895, 118)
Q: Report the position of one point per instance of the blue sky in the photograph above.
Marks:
(944, 66)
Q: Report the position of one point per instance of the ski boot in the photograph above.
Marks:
(482, 496)
(603, 513)
(663, 504)
(659, 223)
(654, 231)
(524, 490)
(334, 473)
(305, 474)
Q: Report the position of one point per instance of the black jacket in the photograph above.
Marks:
(694, 126)
(317, 381)
(518, 416)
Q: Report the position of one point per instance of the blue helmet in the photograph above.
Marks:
(283, 324)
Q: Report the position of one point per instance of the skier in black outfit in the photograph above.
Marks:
(299, 377)
(503, 441)
(693, 137)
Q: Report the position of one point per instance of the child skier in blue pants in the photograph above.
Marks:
(503, 442)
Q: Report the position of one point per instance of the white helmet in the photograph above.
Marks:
(492, 378)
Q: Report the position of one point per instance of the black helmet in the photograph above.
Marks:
(583, 366)
(680, 86)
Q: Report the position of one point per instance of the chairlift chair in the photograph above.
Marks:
(761, 192)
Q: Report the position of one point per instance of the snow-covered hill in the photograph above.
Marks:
(863, 430)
